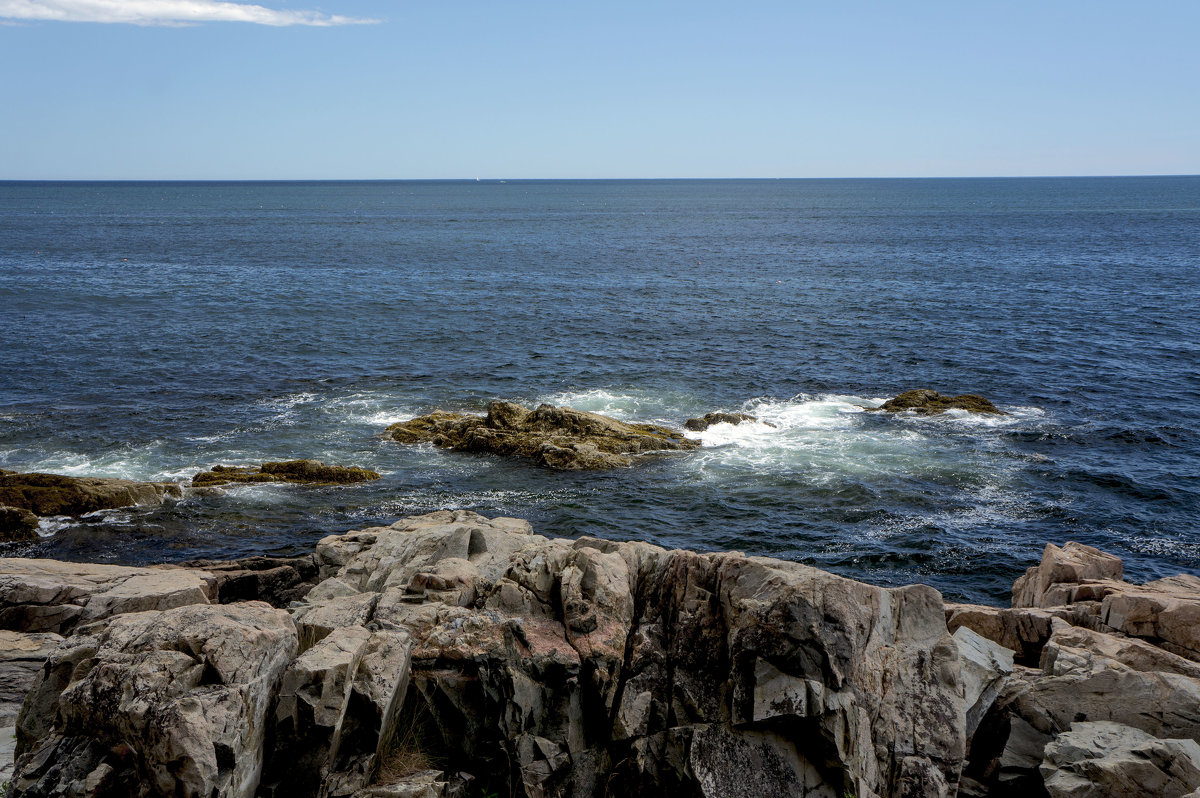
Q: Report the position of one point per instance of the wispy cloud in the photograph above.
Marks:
(164, 12)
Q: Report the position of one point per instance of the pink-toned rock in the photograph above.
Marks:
(1166, 611)
(1065, 575)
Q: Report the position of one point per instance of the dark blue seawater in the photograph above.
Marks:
(150, 330)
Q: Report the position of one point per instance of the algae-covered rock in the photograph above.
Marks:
(927, 402)
(306, 471)
(55, 494)
(708, 419)
(17, 523)
(555, 437)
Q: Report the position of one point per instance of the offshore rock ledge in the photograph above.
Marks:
(555, 437)
(455, 655)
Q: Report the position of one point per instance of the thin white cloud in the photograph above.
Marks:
(164, 12)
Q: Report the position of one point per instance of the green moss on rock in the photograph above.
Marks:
(302, 471)
(927, 402)
(555, 437)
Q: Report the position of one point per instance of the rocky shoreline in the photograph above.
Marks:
(559, 438)
(454, 655)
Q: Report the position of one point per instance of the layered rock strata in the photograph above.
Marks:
(455, 655)
(555, 437)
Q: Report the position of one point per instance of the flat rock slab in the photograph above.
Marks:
(555, 437)
(53, 596)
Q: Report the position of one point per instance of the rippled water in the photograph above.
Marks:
(152, 330)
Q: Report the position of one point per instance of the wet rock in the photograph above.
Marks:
(1109, 760)
(17, 524)
(55, 494)
(708, 419)
(302, 471)
(169, 702)
(555, 437)
(927, 402)
(53, 596)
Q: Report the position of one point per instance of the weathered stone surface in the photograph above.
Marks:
(1108, 760)
(17, 524)
(53, 596)
(1165, 611)
(1067, 575)
(303, 471)
(55, 494)
(337, 711)
(1074, 649)
(556, 437)
(927, 402)
(580, 667)
(1108, 652)
(279, 581)
(21, 658)
(985, 667)
(544, 653)
(1023, 631)
(169, 702)
(708, 419)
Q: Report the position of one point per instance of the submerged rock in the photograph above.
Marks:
(708, 419)
(556, 437)
(304, 471)
(55, 494)
(927, 402)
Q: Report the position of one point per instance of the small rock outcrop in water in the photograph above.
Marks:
(450, 654)
(556, 437)
(703, 423)
(929, 402)
(55, 494)
(305, 471)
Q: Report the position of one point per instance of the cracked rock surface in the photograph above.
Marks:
(455, 655)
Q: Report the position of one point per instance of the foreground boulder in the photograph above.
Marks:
(53, 596)
(927, 402)
(556, 437)
(170, 702)
(1107, 700)
(55, 494)
(304, 471)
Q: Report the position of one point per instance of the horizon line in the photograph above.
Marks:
(559, 179)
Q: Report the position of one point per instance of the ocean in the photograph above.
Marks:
(152, 330)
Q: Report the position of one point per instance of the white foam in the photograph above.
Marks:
(631, 405)
(53, 524)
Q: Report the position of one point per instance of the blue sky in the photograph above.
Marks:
(464, 89)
